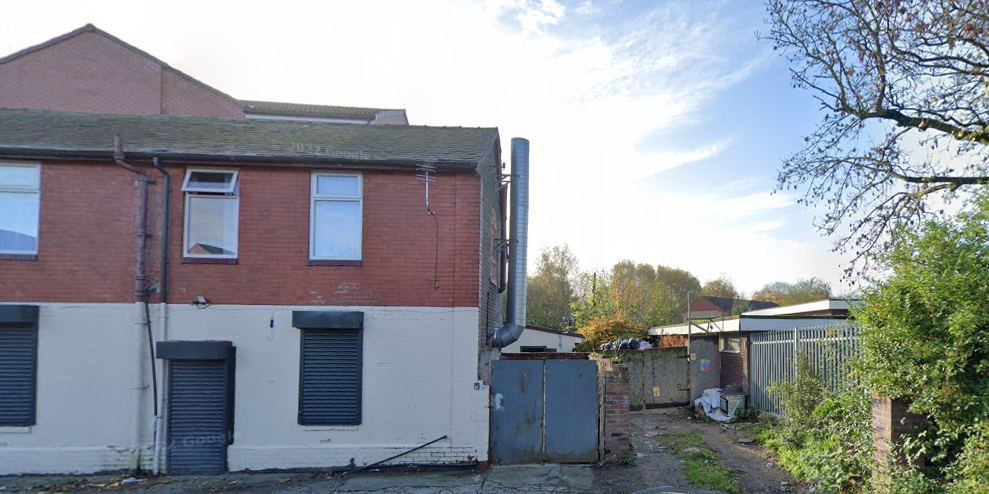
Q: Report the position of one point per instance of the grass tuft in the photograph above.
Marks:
(703, 466)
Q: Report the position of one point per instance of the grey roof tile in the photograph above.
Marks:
(318, 111)
(33, 133)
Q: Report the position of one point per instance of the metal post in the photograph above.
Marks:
(796, 350)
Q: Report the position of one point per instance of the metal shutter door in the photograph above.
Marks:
(330, 385)
(18, 349)
(197, 417)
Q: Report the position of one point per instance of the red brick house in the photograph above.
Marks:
(90, 70)
(304, 306)
(715, 307)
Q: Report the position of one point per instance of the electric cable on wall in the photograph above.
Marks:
(425, 172)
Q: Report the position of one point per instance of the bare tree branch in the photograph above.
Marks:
(904, 93)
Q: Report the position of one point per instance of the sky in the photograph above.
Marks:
(656, 128)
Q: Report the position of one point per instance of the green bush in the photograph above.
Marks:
(970, 474)
(925, 341)
(823, 437)
(744, 415)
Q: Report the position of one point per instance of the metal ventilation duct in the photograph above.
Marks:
(510, 332)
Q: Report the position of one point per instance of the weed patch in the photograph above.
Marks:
(824, 436)
(703, 466)
(761, 432)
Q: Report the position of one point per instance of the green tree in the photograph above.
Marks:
(672, 286)
(722, 286)
(902, 88)
(552, 289)
(804, 290)
(603, 329)
(632, 288)
(926, 337)
(643, 295)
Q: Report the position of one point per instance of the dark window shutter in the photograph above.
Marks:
(330, 380)
(18, 359)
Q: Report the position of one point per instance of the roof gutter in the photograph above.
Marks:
(403, 164)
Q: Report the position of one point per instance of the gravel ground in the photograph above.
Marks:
(755, 469)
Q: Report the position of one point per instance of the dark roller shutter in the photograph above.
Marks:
(330, 384)
(18, 356)
(197, 417)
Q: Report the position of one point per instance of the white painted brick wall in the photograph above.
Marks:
(420, 367)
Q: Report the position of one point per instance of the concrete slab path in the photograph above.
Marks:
(534, 479)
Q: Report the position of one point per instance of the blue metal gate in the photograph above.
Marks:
(544, 411)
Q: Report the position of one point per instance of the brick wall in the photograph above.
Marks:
(492, 306)
(890, 421)
(616, 426)
(735, 366)
(86, 242)
(90, 72)
(86, 239)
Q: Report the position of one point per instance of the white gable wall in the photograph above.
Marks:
(533, 337)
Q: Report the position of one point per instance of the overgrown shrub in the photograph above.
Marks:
(970, 474)
(798, 401)
(925, 340)
(823, 437)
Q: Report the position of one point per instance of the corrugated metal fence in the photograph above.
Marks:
(773, 358)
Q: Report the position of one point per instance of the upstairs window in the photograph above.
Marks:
(212, 205)
(20, 204)
(335, 222)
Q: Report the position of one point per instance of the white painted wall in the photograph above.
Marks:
(86, 398)
(534, 337)
(420, 367)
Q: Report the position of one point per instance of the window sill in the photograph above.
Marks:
(333, 262)
(15, 430)
(731, 351)
(208, 260)
(18, 257)
(323, 428)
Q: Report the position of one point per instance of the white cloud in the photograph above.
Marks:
(533, 17)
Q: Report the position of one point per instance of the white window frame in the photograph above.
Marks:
(36, 191)
(724, 339)
(232, 194)
(232, 189)
(314, 198)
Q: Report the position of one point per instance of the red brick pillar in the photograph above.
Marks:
(616, 401)
(890, 420)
